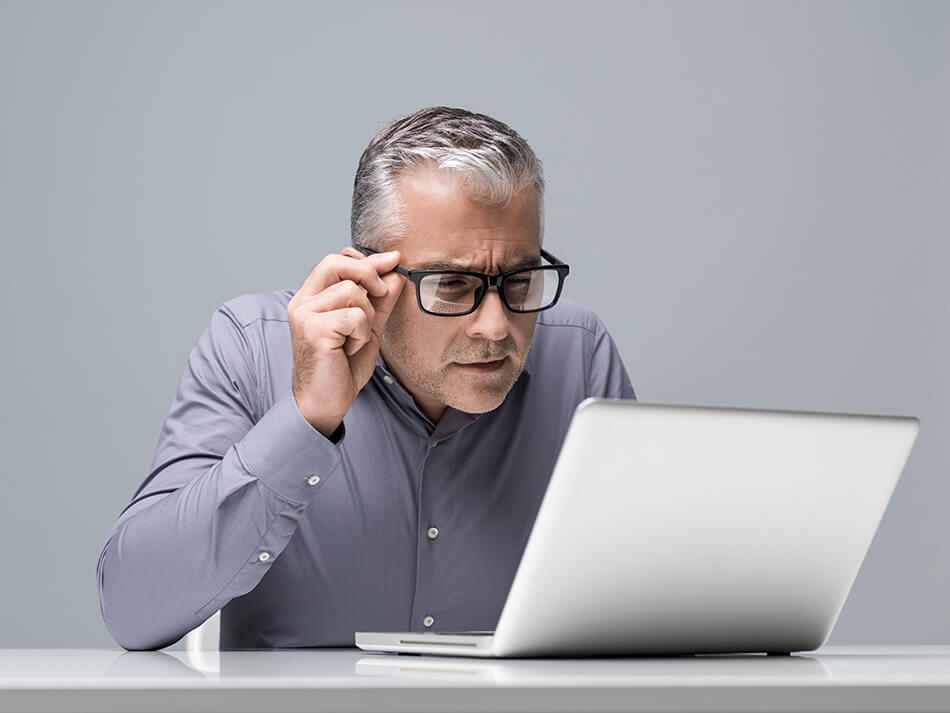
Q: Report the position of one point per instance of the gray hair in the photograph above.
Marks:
(491, 159)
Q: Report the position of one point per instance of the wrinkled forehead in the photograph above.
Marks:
(485, 261)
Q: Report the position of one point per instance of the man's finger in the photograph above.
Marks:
(384, 305)
(338, 296)
(336, 268)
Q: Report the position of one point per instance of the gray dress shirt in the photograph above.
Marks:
(402, 525)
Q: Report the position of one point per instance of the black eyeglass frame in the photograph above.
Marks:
(416, 276)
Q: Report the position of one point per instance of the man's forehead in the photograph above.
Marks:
(478, 261)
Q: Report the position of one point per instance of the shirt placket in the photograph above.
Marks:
(437, 467)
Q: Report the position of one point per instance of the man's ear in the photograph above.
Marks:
(350, 251)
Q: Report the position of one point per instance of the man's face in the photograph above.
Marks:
(432, 355)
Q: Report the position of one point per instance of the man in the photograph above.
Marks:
(369, 452)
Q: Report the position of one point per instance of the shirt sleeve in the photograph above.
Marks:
(224, 495)
(607, 377)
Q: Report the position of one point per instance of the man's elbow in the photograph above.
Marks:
(132, 634)
(131, 627)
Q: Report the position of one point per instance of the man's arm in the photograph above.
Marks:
(222, 492)
(228, 485)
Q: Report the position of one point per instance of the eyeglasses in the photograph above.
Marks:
(453, 293)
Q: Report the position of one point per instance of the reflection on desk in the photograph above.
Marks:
(887, 678)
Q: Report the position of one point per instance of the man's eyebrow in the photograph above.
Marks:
(471, 267)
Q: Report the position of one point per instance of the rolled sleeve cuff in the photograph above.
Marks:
(287, 454)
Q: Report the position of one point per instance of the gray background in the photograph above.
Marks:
(754, 197)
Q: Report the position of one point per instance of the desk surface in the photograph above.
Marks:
(879, 678)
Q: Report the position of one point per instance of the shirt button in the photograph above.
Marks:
(263, 556)
(428, 621)
(387, 378)
(313, 479)
(432, 532)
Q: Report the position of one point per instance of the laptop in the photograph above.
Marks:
(669, 529)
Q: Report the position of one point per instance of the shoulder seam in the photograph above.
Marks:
(263, 319)
(247, 309)
(587, 329)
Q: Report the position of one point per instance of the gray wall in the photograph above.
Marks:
(754, 196)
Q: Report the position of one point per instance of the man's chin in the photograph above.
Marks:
(480, 401)
(474, 408)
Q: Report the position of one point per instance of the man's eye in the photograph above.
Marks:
(518, 284)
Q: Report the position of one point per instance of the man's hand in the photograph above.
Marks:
(336, 318)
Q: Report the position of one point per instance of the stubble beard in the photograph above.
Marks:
(433, 384)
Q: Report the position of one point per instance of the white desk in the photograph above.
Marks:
(891, 678)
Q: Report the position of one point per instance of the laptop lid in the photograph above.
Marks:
(683, 529)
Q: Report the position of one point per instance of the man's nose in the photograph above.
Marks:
(490, 320)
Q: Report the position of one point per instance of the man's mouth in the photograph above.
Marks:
(482, 367)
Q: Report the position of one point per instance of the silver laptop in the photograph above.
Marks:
(684, 530)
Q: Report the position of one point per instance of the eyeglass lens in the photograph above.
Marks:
(447, 293)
